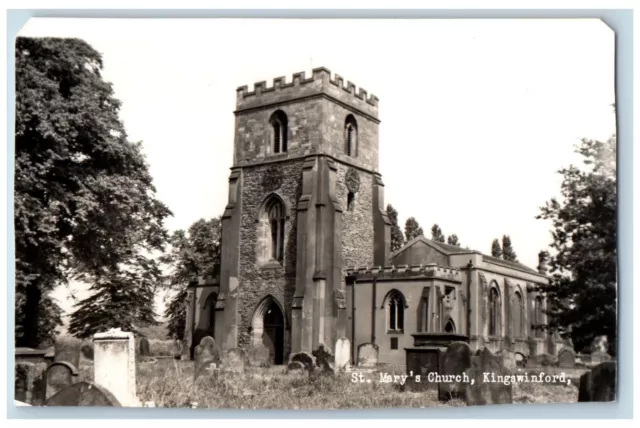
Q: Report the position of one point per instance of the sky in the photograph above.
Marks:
(477, 116)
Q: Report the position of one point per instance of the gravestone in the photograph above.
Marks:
(421, 362)
(87, 351)
(114, 366)
(508, 358)
(600, 357)
(60, 375)
(84, 394)
(566, 358)
(482, 391)
(322, 356)
(305, 359)
(368, 355)
(599, 385)
(343, 353)
(258, 356)
(143, 347)
(296, 367)
(68, 349)
(29, 382)
(206, 354)
(234, 361)
(455, 362)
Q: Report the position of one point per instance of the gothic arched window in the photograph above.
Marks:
(395, 311)
(494, 312)
(276, 217)
(279, 131)
(517, 318)
(351, 136)
(537, 316)
(450, 327)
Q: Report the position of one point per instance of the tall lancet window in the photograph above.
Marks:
(279, 131)
(276, 216)
(494, 312)
(351, 136)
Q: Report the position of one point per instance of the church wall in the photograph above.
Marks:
(333, 135)
(420, 253)
(257, 282)
(253, 132)
(357, 225)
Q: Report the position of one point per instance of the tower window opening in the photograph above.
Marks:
(351, 136)
(279, 130)
(351, 199)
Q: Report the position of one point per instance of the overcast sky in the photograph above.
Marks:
(477, 115)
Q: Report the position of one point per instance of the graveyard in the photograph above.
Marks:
(116, 370)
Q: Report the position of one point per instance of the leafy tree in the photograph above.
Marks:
(496, 249)
(582, 295)
(397, 238)
(436, 234)
(412, 229)
(84, 200)
(508, 253)
(193, 253)
(453, 240)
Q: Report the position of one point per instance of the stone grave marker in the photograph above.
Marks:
(322, 356)
(600, 357)
(207, 353)
(368, 355)
(508, 358)
(305, 359)
(599, 385)
(566, 358)
(114, 366)
(143, 347)
(68, 349)
(477, 390)
(258, 356)
(296, 367)
(343, 353)
(234, 361)
(177, 349)
(84, 394)
(60, 375)
(455, 362)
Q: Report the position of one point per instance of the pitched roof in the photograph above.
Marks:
(452, 249)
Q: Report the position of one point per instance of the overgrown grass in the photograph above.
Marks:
(169, 383)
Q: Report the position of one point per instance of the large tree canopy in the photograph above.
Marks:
(84, 199)
(195, 252)
(583, 292)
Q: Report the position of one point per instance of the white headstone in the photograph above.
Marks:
(114, 365)
(343, 353)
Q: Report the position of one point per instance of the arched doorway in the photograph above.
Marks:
(268, 328)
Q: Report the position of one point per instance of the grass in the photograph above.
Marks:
(169, 383)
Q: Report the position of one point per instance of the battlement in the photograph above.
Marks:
(430, 270)
(320, 82)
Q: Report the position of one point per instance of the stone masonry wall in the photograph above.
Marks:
(255, 282)
(357, 225)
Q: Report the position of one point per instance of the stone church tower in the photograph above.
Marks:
(306, 201)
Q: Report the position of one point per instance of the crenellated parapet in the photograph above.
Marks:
(321, 82)
(427, 271)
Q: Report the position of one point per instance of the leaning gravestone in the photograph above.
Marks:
(305, 359)
(296, 367)
(30, 383)
(143, 347)
(83, 394)
(599, 385)
(455, 362)
(566, 358)
(479, 391)
(59, 376)
(206, 354)
(368, 355)
(68, 349)
(343, 353)
(322, 360)
(234, 361)
(258, 356)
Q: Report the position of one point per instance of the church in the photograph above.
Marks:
(306, 239)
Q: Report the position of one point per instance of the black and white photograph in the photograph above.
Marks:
(315, 214)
